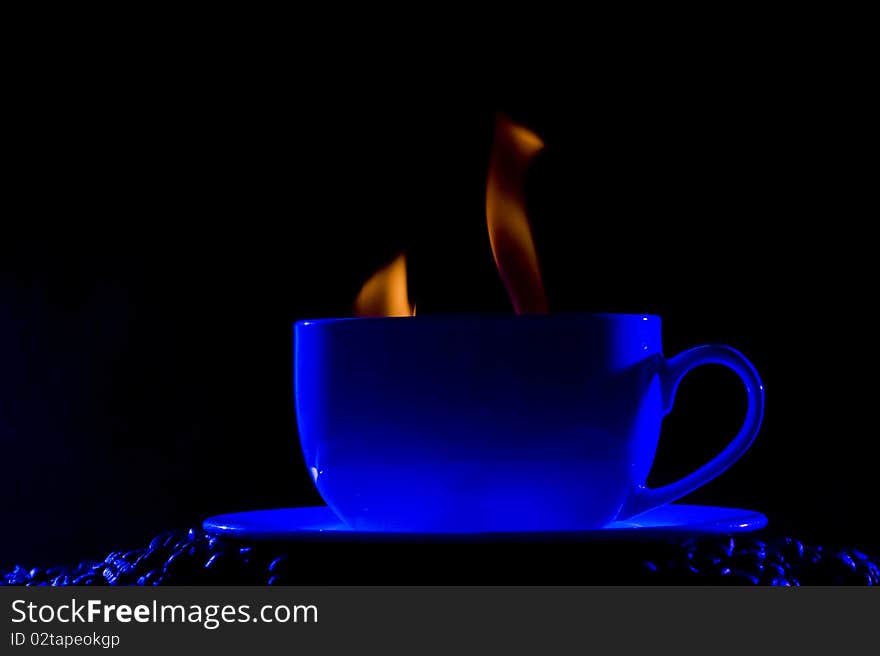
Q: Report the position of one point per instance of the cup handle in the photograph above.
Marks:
(671, 373)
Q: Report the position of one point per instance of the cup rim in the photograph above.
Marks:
(486, 315)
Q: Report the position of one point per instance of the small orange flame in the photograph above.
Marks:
(385, 294)
(512, 245)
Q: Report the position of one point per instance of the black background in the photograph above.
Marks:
(164, 225)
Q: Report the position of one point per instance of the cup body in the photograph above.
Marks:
(479, 422)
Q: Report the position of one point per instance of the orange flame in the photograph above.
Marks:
(512, 245)
(385, 294)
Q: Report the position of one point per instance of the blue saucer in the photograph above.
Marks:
(319, 523)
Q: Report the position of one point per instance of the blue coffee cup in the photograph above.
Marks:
(495, 423)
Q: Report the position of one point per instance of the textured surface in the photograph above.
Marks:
(194, 558)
